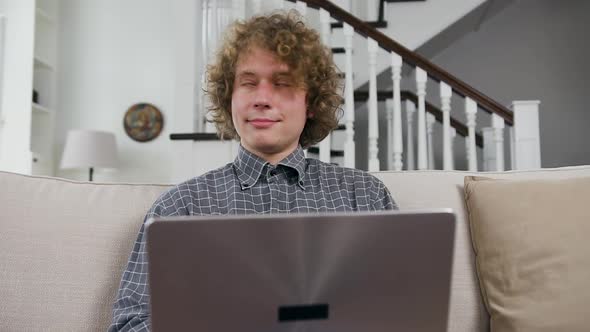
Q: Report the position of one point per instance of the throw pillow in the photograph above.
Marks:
(532, 246)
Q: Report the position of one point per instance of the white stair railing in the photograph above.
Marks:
(524, 128)
(421, 79)
(410, 156)
(349, 146)
(389, 118)
(326, 144)
(430, 120)
(396, 140)
(373, 47)
(525, 140)
(498, 129)
(470, 112)
(445, 95)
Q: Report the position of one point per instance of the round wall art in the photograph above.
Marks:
(143, 122)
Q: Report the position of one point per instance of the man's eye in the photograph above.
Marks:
(283, 83)
(248, 83)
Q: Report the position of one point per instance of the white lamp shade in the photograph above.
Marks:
(89, 148)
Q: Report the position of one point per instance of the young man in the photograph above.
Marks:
(275, 88)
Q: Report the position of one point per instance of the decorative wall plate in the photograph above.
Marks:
(143, 122)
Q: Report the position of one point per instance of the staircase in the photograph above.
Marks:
(388, 144)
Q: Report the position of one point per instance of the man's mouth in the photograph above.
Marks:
(262, 122)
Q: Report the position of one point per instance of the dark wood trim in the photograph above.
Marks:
(338, 50)
(374, 24)
(195, 137)
(414, 59)
(333, 153)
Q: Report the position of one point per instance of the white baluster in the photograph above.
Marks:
(489, 149)
(349, 146)
(200, 109)
(452, 143)
(410, 158)
(325, 145)
(373, 111)
(302, 8)
(430, 119)
(471, 112)
(498, 125)
(389, 118)
(421, 79)
(527, 148)
(445, 96)
(398, 147)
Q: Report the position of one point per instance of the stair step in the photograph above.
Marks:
(374, 24)
(338, 50)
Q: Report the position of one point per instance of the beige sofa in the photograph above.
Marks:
(64, 244)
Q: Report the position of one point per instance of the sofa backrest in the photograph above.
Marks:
(64, 244)
(442, 189)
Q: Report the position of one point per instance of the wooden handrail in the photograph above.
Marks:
(414, 59)
(438, 114)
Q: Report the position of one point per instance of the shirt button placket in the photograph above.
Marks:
(274, 191)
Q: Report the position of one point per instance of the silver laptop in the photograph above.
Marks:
(386, 271)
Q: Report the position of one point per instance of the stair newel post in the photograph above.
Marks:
(349, 146)
(373, 47)
(430, 120)
(398, 148)
(471, 112)
(421, 78)
(453, 134)
(498, 126)
(326, 144)
(389, 118)
(445, 96)
(410, 158)
(526, 153)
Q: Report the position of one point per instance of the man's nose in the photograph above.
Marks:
(263, 96)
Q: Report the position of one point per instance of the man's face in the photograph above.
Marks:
(268, 108)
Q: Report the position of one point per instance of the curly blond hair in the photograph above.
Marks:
(285, 35)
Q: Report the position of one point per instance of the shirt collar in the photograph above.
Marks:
(249, 166)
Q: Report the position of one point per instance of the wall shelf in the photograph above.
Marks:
(41, 109)
(43, 15)
(40, 62)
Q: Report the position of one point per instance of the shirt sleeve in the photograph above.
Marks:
(131, 307)
(383, 201)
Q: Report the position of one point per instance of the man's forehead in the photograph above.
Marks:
(253, 57)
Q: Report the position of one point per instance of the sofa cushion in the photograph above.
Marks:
(532, 251)
(438, 189)
(63, 247)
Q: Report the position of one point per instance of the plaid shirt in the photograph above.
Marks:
(249, 185)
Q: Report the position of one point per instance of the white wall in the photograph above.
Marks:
(17, 85)
(535, 49)
(113, 54)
